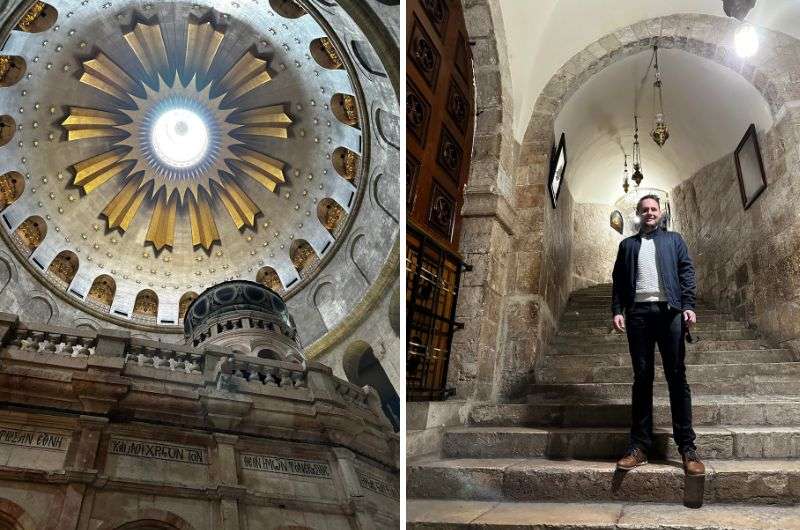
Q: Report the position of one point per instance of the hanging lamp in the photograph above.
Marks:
(660, 133)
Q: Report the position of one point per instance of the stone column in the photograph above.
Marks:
(362, 508)
(227, 480)
(80, 461)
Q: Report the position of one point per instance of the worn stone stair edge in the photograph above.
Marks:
(426, 513)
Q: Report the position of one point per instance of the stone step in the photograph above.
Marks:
(579, 304)
(698, 333)
(604, 319)
(607, 329)
(697, 346)
(485, 515)
(623, 358)
(594, 313)
(605, 391)
(513, 479)
(695, 373)
(709, 410)
(720, 443)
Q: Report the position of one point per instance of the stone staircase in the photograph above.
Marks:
(550, 462)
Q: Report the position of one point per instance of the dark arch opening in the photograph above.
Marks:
(362, 368)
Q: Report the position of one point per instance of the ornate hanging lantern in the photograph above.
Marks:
(660, 131)
(625, 184)
(637, 159)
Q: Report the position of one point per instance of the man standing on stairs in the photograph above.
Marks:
(653, 300)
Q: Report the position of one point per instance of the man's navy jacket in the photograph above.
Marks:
(675, 269)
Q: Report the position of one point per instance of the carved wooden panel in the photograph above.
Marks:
(424, 54)
(412, 176)
(442, 211)
(440, 114)
(438, 14)
(418, 113)
(449, 154)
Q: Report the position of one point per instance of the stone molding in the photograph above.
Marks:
(484, 201)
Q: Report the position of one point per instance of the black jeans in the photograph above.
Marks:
(649, 323)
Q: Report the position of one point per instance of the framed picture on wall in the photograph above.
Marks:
(750, 167)
(558, 166)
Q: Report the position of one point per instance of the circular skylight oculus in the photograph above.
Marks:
(180, 138)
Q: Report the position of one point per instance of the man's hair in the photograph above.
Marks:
(648, 196)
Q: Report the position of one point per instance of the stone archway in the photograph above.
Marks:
(488, 215)
(524, 284)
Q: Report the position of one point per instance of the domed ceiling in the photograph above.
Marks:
(157, 148)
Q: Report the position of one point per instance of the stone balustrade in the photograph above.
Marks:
(265, 371)
(164, 356)
(50, 340)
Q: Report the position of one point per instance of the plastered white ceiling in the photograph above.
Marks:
(543, 34)
(708, 108)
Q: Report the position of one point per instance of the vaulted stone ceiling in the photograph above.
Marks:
(708, 106)
(543, 35)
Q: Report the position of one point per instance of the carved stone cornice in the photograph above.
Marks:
(486, 201)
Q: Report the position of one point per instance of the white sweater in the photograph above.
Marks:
(649, 287)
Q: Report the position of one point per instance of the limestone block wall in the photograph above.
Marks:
(747, 261)
(595, 245)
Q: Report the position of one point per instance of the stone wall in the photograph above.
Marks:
(595, 245)
(747, 261)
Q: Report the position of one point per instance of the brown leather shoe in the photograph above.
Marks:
(692, 464)
(633, 458)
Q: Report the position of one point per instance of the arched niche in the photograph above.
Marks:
(362, 368)
(64, 266)
(331, 215)
(146, 304)
(7, 129)
(12, 184)
(303, 257)
(267, 277)
(12, 68)
(325, 54)
(31, 233)
(287, 8)
(40, 17)
(103, 290)
(13, 517)
(345, 108)
(183, 303)
(346, 163)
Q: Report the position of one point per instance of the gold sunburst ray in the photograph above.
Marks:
(231, 160)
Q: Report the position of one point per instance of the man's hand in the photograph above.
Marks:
(619, 323)
(690, 318)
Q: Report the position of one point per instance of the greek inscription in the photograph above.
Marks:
(36, 439)
(286, 466)
(159, 451)
(378, 486)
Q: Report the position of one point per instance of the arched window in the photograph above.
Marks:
(303, 257)
(184, 303)
(146, 304)
(7, 129)
(40, 17)
(64, 267)
(326, 55)
(331, 215)
(30, 234)
(362, 368)
(346, 163)
(102, 291)
(269, 278)
(268, 354)
(287, 8)
(345, 109)
(12, 68)
(12, 185)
